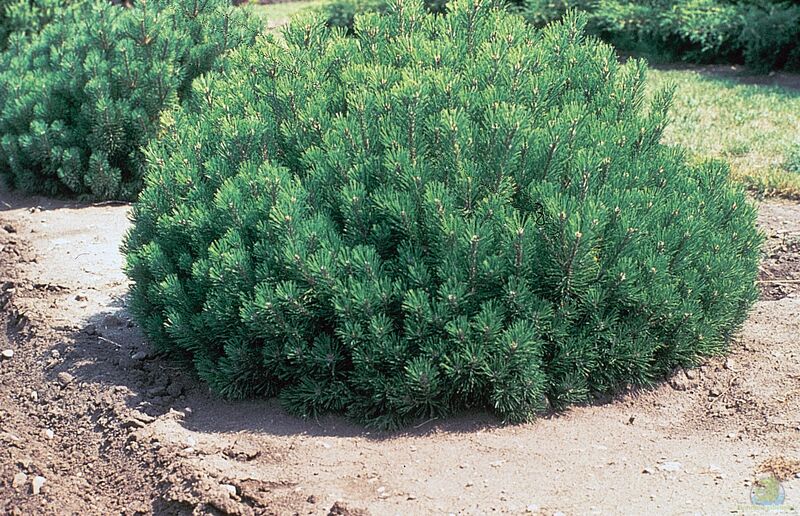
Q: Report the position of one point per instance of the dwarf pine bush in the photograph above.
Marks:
(79, 99)
(441, 212)
(25, 16)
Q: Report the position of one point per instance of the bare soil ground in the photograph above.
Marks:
(112, 428)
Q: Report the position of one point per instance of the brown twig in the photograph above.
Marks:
(119, 346)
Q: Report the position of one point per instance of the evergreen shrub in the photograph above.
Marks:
(79, 99)
(440, 212)
(770, 37)
(763, 34)
(25, 16)
(342, 13)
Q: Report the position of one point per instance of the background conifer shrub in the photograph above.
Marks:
(79, 99)
(763, 34)
(441, 212)
(342, 13)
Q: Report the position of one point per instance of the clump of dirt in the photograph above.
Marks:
(780, 268)
(780, 467)
(779, 275)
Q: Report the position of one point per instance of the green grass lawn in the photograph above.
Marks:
(754, 128)
(279, 14)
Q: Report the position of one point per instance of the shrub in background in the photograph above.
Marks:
(762, 34)
(699, 30)
(543, 12)
(770, 37)
(341, 13)
(440, 212)
(80, 99)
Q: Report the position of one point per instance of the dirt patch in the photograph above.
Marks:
(779, 276)
(780, 467)
(79, 389)
(115, 428)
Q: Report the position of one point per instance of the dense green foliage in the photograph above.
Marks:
(342, 13)
(764, 34)
(25, 16)
(79, 99)
(440, 212)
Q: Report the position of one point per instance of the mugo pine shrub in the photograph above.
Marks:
(26, 16)
(80, 99)
(438, 213)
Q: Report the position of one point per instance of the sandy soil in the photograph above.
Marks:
(111, 428)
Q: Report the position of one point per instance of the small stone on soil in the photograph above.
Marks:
(175, 390)
(139, 355)
(311, 499)
(65, 378)
(9, 228)
(49, 433)
(112, 320)
(343, 509)
(7, 354)
(670, 466)
(156, 392)
(680, 382)
(19, 480)
(141, 416)
(37, 484)
(231, 489)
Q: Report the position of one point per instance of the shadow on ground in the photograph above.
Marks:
(738, 74)
(110, 350)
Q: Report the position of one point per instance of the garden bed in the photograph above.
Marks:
(133, 432)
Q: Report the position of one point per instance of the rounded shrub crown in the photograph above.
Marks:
(441, 212)
(79, 99)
